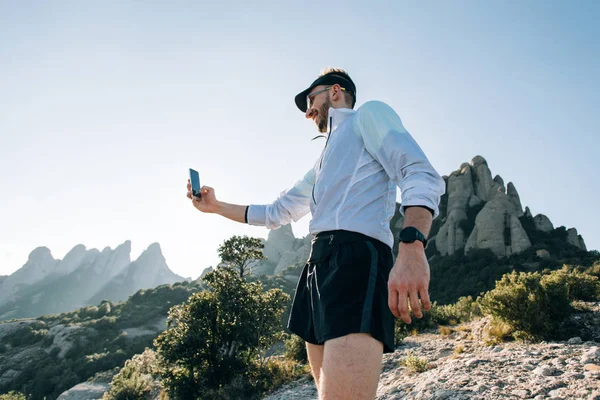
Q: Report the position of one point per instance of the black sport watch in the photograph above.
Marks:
(410, 234)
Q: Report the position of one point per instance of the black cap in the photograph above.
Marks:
(329, 79)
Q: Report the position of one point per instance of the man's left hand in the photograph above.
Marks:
(409, 280)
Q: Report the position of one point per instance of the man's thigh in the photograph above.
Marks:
(351, 367)
(315, 358)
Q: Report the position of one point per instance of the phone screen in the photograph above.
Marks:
(195, 180)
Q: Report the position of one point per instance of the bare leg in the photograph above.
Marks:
(315, 358)
(351, 367)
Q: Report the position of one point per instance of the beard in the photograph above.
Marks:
(323, 115)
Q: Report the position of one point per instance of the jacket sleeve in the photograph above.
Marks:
(292, 204)
(401, 157)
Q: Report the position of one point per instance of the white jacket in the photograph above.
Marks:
(353, 183)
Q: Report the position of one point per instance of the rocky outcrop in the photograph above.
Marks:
(483, 181)
(575, 239)
(543, 223)
(451, 236)
(86, 391)
(513, 195)
(498, 228)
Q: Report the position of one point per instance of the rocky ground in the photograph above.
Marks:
(460, 366)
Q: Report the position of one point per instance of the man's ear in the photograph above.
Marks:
(337, 91)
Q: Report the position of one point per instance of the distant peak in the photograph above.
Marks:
(40, 252)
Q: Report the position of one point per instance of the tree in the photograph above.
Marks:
(217, 334)
(239, 251)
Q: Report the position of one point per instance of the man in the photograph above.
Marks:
(348, 293)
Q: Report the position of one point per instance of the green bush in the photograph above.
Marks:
(295, 349)
(580, 285)
(529, 302)
(217, 334)
(136, 379)
(12, 395)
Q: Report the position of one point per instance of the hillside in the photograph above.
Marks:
(82, 342)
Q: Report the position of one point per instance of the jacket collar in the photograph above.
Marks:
(337, 116)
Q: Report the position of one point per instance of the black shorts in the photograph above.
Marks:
(343, 290)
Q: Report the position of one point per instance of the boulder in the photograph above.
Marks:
(542, 253)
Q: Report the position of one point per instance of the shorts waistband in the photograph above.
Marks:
(342, 236)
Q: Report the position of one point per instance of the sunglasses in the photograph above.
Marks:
(309, 98)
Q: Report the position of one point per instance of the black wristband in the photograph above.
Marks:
(246, 214)
(425, 207)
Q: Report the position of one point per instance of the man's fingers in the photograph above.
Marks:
(403, 306)
(393, 302)
(425, 299)
(414, 304)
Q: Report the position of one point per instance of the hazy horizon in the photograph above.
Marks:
(105, 106)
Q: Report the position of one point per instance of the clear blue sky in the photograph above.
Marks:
(104, 105)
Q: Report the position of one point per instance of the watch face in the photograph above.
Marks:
(408, 235)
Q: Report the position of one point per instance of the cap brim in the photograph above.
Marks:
(300, 99)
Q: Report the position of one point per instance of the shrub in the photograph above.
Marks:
(295, 349)
(136, 379)
(528, 302)
(12, 395)
(580, 285)
(217, 334)
(413, 363)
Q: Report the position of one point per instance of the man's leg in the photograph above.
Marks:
(315, 358)
(351, 367)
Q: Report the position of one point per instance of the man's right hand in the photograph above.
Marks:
(208, 203)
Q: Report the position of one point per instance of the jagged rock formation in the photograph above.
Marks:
(40, 264)
(575, 239)
(148, 271)
(483, 213)
(282, 249)
(82, 278)
(496, 226)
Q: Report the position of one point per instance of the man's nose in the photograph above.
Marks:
(309, 113)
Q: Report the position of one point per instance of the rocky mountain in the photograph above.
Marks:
(40, 264)
(497, 209)
(148, 271)
(82, 278)
(2, 278)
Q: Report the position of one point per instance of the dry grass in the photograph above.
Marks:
(413, 363)
(459, 350)
(445, 330)
(497, 332)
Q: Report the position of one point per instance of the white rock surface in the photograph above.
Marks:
(512, 370)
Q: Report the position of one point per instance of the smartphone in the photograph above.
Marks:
(195, 180)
